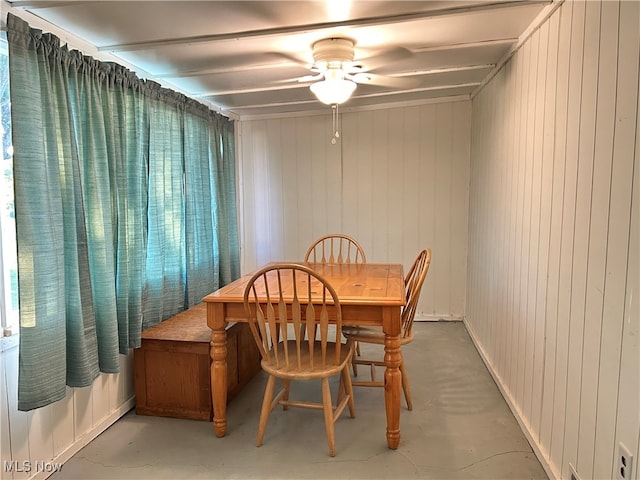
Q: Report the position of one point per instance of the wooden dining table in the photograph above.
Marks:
(370, 294)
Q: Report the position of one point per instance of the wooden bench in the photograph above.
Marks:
(172, 365)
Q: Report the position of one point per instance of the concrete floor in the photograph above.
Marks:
(460, 428)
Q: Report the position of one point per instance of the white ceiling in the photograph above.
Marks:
(244, 57)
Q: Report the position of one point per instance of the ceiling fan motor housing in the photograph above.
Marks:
(333, 52)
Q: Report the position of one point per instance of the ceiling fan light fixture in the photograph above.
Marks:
(333, 91)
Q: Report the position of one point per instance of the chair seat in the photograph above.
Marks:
(305, 370)
(370, 335)
(374, 335)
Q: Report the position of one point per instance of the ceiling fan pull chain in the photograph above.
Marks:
(336, 126)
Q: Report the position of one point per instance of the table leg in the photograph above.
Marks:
(392, 388)
(218, 352)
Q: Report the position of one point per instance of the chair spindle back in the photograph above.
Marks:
(284, 293)
(335, 248)
(413, 284)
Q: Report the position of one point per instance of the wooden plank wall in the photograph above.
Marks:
(397, 181)
(52, 434)
(553, 235)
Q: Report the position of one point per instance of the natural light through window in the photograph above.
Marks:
(8, 261)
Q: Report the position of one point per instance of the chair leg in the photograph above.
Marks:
(405, 385)
(356, 347)
(348, 387)
(286, 384)
(341, 390)
(328, 416)
(266, 408)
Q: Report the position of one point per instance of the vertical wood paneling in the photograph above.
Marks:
(459, 206)
(275, 199)
(41, 445)
(57, 431)
(618, 318)
(62, 431)
(318, 169)
(381, 166)
(349, 166)
(559, 147)
(500, 266)
(394, 229)
(538, 258)
(410, 183)
(545, 351)
(100, 399)
(598, 24)
(249, 146)
(588, 48)
(517, 195)
(82, 409)
(471, 293)
(529, 236)
(555, 356)
(548, 196)
(426, 194)
(524, 217)
(503, 285)
(538, 64)
(18, 421)
(629, 392)
(305, 184)
(397, 180)
(569, 156)
(286, 199)
(442, 263)
(596, 338)
(5, 438)
(362, 154)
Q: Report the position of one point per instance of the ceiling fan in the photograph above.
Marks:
(336, 73)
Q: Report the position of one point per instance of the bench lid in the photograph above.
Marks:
(187, 326)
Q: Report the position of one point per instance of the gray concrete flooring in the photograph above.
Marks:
(460, 428)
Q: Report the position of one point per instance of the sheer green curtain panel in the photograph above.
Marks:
(125, 210)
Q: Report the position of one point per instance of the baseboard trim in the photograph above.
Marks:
(89, 436)
(524, 426)
(436, 318)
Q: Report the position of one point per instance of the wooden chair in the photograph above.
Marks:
(295, 340)
(335, 248)
(413, 283)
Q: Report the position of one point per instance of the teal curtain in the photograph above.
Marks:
(125, 210)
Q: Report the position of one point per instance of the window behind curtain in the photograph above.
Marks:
(8, 262)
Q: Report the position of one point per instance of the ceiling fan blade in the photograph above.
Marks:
(304, 79)
(292, 59)
(385, 80)
(311, 78)
(384, 58)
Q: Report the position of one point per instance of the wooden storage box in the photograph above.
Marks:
(172, 365)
